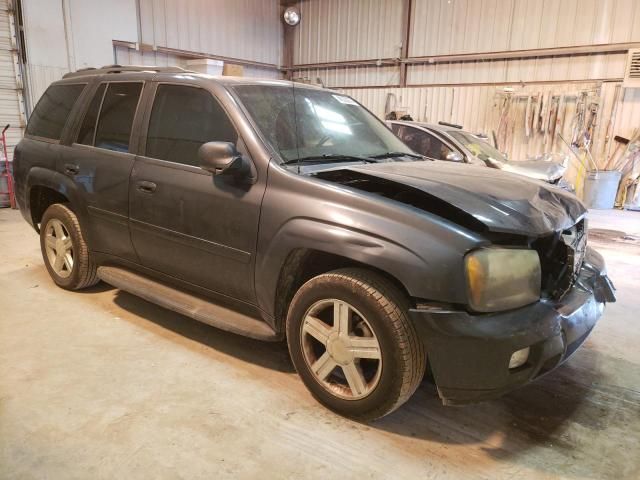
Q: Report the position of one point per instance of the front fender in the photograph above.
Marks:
(405, 265)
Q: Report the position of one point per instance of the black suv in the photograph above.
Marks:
(279, 210)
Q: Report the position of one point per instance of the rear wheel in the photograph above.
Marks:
(64, 249)
(353, 344)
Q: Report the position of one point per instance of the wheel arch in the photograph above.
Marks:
(304, 248)
(303, 264)
(46, 187)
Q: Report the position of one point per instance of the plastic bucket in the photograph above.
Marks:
(4, 187)
(600, 189)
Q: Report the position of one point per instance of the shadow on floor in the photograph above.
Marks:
(271, 355)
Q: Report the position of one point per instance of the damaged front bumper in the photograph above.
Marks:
(469, 354)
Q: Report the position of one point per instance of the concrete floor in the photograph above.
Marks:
(101, 384)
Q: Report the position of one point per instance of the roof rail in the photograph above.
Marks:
(447, 124)
(123, 69)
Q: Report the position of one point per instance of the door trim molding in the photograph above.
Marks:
(191, 241)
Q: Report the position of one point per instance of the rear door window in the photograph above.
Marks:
(116, 116)
(182, 119)
(88, 128)
(53, 110)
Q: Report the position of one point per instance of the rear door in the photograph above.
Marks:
(184, 222)
(100, 161)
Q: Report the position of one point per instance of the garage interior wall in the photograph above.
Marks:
(464, 54)
(11, 86)
(67, 35)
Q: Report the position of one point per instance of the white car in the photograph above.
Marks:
(451, 143)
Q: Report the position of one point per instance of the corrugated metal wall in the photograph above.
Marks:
(67, 35)
(334, 30)
(245, 29)
(11, 109)
(468, 92)
(444, 27)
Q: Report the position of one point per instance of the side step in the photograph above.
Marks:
(186, 304)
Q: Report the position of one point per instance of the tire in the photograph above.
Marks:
(59, 218)
(377, 313)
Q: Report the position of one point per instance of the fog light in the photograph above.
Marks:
(518, 358)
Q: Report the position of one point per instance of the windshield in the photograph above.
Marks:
(305, 123)
(478, 147)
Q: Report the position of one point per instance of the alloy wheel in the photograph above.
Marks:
(59, 248)
(341, 349)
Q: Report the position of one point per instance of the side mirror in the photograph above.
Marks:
(454, 157)
(221, 158)
(492, 162)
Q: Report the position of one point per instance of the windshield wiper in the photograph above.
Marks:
(332, 157)
(395, 154)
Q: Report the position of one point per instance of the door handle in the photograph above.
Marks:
(71, 169)
(146, 187)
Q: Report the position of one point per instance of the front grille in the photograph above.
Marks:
(561, 255)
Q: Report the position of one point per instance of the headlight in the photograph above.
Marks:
(502, 278)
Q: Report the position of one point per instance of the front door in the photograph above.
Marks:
(185, 222)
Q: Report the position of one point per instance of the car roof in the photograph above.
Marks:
(147, 72)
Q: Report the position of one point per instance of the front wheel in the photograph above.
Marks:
(353, 344)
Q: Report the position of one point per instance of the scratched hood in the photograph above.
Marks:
(501, 201)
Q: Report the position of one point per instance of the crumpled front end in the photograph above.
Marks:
(546, 171)
(471, 356)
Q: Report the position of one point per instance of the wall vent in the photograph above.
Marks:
(632, 73)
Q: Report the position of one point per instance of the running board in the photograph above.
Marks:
(186, 304)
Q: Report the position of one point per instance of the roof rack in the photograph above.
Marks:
(123, 69)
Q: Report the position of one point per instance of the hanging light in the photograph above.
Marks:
(292, 16)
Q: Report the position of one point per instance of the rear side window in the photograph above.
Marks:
(182, 119)
(53, 109)
(424, 143)
(116, 116)
(88, 129)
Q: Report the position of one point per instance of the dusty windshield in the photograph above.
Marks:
(478, 147)
(306, 123)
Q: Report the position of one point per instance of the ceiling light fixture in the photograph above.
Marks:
(292, 16)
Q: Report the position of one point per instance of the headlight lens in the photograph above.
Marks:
(502, 278)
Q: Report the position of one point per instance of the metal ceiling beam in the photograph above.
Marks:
(472, 57)
(538, 52)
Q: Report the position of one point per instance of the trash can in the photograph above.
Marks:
(600, 189)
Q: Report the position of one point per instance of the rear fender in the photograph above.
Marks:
(44, 177)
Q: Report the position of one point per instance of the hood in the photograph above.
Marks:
(500, 201)
(538, 169)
